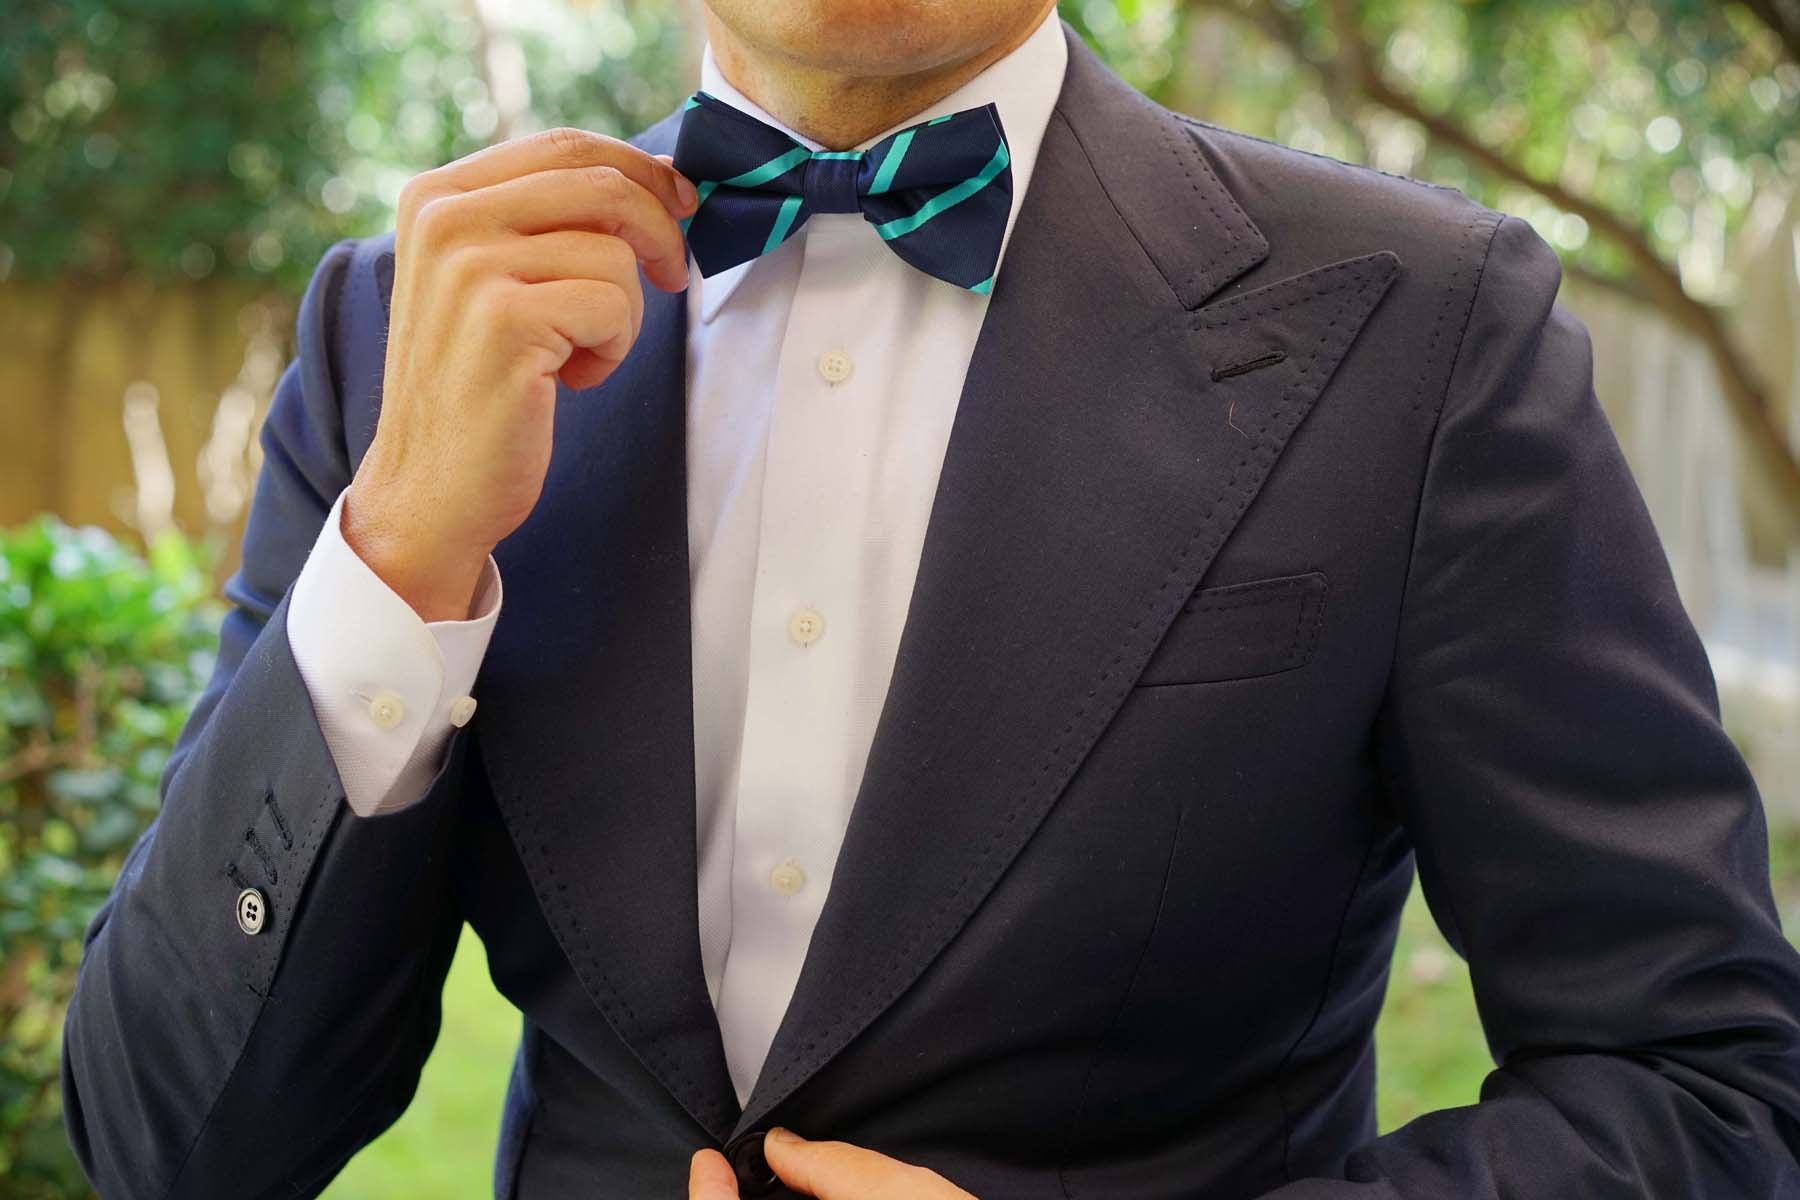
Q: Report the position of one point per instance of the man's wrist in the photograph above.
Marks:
(435, 579)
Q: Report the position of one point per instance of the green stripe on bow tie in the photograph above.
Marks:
(784, 220)
(901, 226)
(775, 168)
(884, 178)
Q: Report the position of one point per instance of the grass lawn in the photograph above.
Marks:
(1429, 1046)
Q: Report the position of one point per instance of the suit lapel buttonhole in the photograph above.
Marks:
(1221, 374)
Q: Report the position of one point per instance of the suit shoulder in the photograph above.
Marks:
(1456, 255)
(351, 287)
(341, 331)
(1340, 209)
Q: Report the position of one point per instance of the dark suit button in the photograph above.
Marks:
(754, 1175)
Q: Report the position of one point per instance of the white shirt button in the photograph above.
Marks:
(461, 709)
(787, 878)
(834, 366)
(806, 627)
(386, 710)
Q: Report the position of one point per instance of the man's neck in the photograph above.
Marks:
(837, 110)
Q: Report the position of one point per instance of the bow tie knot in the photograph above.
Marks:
(828, 182)
(937, 193)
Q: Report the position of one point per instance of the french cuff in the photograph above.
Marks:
(388, 688)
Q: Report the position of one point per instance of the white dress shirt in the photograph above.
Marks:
(823, 379)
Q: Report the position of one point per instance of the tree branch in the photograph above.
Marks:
(1745, 395)
(1785, 25)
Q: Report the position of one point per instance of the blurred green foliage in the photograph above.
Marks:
(184, 139)
(102, 655)
(177, 139)
(1672, 114)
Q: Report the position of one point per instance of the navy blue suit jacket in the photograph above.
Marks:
(1280, 546)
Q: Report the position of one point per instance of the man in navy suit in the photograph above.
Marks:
(987, 635)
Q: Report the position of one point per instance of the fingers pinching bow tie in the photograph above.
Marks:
(938, 193)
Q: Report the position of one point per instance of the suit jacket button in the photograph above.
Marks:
(754, 1175)
(251, 910)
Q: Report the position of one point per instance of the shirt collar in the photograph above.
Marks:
(1023, 84)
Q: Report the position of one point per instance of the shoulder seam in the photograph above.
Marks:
(1197, 123)
(1462, 333)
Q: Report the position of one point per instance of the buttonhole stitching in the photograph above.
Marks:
(262, 855)
(1221, 374)
(281, 825)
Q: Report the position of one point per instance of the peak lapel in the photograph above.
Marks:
(1094, 469)
(587, 713)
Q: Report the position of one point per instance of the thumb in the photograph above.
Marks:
(710, 1177)
(836, 1170)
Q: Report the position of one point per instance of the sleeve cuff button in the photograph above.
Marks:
(461, 709)
(251, 909)
(386, 710)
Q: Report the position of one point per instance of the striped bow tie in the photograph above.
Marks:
(938, 192)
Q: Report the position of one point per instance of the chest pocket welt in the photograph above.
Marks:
(1241, 630)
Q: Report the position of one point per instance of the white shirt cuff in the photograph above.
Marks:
(388, 687)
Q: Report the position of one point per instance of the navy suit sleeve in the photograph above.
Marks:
(1586, 835)
(201, 1061)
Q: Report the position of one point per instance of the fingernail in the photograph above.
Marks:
(778, 1134)
(685, 190)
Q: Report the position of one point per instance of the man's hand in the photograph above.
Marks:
(513, 267)
(827, 1170)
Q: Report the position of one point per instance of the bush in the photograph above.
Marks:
(102, 655)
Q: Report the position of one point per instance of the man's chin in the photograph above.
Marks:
(870, 38)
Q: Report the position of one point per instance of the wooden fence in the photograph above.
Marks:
(131, 407)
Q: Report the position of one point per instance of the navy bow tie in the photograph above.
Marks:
(938, 192)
